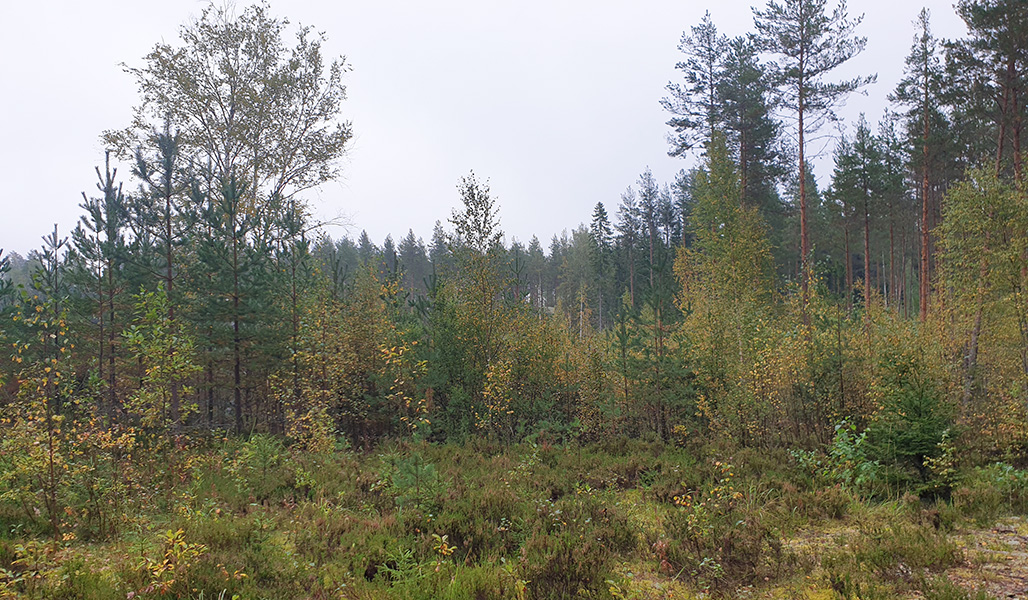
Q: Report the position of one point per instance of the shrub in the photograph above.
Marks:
(887, 555)
(941, 588)
(712, 542)
(564, 564)
(846, 462)
(259, 466)
(481, 522)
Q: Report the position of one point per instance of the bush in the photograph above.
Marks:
(259, 467)
(887, 555)
(915, 418)
(846, 463)
(481, 522)
(941, 588)
(714, 543)
(564, 564)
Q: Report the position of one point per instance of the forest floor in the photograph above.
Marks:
(994, 565)
(995, 559)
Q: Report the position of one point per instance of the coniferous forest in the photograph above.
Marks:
(737, 383)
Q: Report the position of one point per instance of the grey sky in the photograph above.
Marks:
(556, 103)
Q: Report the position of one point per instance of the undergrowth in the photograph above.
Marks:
(259, 520)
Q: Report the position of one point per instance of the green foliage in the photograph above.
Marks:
(167, 356)
(712, 541)
(505, 521)
(941, 588)
(847, 461)
(990, 492)
(168, 574)
(741, 357)
(942, 468)
(412, 480)
(517, 432)
(477, 226)
(238, 69)
(912, 416)
(37, 445)
(982, 240)
(258, 467)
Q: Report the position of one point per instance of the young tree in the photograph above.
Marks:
(985, 273)
(810, 43)
(477, 226)
(157, 212)
(233, 250)
(725, 291)
(479, 314)
(100, 256)
(476, 243)
(295, 282)
(35, 441)
(49, 281)
(6, 284)
(158, 209)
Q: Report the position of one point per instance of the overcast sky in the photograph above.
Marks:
(555, 102)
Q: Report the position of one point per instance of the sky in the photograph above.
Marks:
(554, 102)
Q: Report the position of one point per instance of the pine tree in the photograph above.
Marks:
(857, 183)
(367, 251)
(696, 105)
(752, 132)
(100, 257)
(414, 259)
(810, 44)
(157, 214)
(998, 48)
(920, 90)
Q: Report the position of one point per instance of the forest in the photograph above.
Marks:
(736, 384)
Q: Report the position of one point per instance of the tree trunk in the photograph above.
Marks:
(111, 337)
(867, 251)
(894, 287)
(924, 274)
(804, 234)
(971, 360)
(168, 284)
(849, 261)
